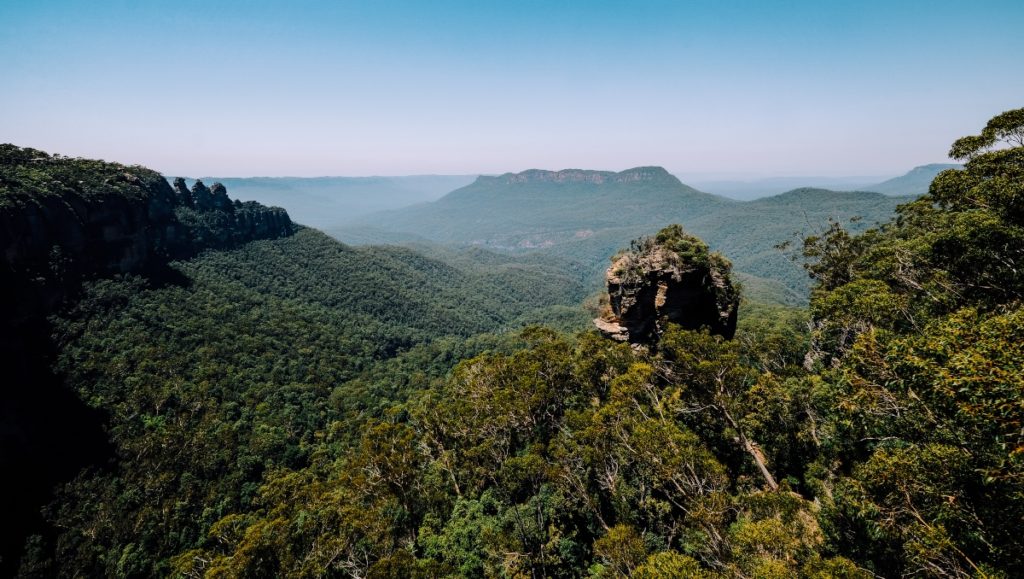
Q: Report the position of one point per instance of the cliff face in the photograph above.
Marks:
(670, 278)
(65, 219)
(107, 232)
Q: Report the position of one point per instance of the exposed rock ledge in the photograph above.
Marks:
(669, 278)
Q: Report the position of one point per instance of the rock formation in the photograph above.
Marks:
(63, 220)
(182, 194)
(202, 195)
(670, 278)
(219, 198)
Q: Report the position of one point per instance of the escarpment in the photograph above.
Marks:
(669, 278)
(63, 219)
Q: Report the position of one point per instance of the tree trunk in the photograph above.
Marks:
(752, 449)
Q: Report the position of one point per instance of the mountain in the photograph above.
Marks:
(329, 201)
(66, 220)
(585, 216)
(750, 233)
(196, 387)
(914, 182)
(65, 223)
(543, 208)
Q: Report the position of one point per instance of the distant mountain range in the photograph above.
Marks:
(914, 182)
(327, 201)
(749, 190)
(536, 208)
(330, 202)
(586, 216)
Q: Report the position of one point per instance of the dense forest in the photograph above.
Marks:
(293, 406)
(585, 216)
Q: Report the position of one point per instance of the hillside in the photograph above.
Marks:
(543, 208)
(140, 316)
(915, 182)
(886, 443)
(585, 216)
(750, 232)
(197, 391)
(331, 201)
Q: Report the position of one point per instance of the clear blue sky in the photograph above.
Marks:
(378, 87)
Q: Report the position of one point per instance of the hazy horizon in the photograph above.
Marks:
(749, 90)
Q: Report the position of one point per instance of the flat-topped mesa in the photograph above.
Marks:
(672, 277)
(584, 176)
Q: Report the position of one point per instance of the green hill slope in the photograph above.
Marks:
(544, 208)
(154, 378)
(914, 182)
(585, 216)
(750, 232)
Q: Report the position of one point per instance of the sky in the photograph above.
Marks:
(721, 88)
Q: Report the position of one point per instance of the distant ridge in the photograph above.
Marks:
(633, 175)
(817, 195)
(914, 182)
(539, 208)
(324, 202)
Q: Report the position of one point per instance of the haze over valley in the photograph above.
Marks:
(512, 290)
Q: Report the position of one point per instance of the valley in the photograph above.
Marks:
(585, 216)
(236, 394)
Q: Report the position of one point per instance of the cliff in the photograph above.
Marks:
(670, 278)
(63, 219)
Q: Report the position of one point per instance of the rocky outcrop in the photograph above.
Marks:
(63, 219)
(671, 278)
(255, 221)
(182, 194)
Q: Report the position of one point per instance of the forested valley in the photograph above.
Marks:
(271, 402)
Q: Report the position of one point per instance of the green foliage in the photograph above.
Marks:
(585, 221)
(960, 245)
(29, 177)
(563, 456)
(669, 565)
(268, 357)
(275, 416)
(621, 550)
(691, 249)
(919, 324)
